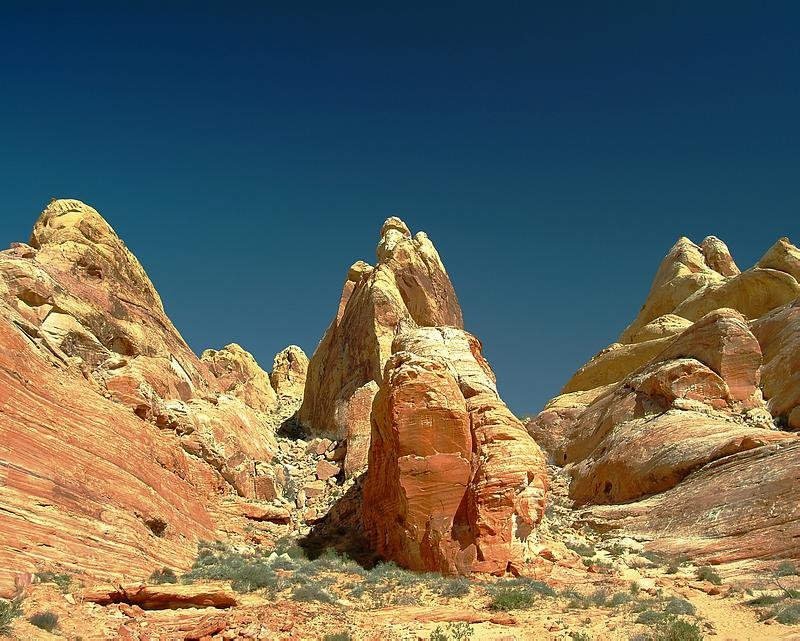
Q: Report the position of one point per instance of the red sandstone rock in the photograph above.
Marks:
(162, 597)
(454, 484)
(408, 287)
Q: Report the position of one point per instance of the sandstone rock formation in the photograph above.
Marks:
(455, 484)
(676, 419)
(288, 378)
(115, 438)
(408, 287)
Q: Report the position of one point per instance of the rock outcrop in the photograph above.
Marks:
(115, 439)
(667, 427)
(408, 287)
(455, 484)
(288, 378)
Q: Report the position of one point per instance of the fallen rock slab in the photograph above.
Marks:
(162, 597)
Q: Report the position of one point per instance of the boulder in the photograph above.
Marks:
(454, 484)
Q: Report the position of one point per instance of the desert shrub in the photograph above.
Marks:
(459, 630)
(246, 572)
(634, 589)
(338, 636)
(9, 610)
(63, 581)
(449, 586)
(580, 636)
(649, 617)
(288, 545)
(512, 599)
(766, 599)
(581, 548)
(618, 599)
(164, 575)
(706, 573)
(309, 592)
(787, 568)
(44, 620)
(787, 614)
(439, 634)
(679, 606)
(671, 628)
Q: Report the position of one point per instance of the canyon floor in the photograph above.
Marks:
(596, 586)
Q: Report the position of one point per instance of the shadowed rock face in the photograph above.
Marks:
(115, 439)
(454, 484)
(677, 418)
(408, 287)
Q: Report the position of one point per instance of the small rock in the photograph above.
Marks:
(326, 470)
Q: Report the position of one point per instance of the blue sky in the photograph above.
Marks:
(552, 151)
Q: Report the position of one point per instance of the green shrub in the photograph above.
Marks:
(766, 599)
(338, 636)
(618, 599)
(9, 610)
(787, 568)
(788, 615)
(460, 630)
(246, 572)
(512, 599)
(44, 620)
(450, 587)
(671, 628)
(439, 634)
(580, 636)
(649, 617)
(634, 589)
(708, 574)
(679, 606)
(164, 575)
(63, 581)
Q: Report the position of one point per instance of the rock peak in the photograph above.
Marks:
(395, 223)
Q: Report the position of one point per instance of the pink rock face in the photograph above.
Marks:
(454, 484)
(116, 440)
(87, 304)
(408, 287)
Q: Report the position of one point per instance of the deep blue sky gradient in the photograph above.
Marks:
(553, 152)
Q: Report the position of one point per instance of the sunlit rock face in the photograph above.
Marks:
(116, 440)
(408, 287)
(672, 429)
(455, 484)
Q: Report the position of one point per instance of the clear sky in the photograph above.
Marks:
(552, 151)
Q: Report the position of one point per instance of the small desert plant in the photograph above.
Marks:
(338, 636)
(706, 573)
(679, 606)
(787, 568)
(787, 614)
(512, 599)
(580, 636)
(671, 628)
(634, 589)
(63, 581)
(246, 572)
(164, 575)
(438, 634)
(618, 599)
(649, 617)
(449, 587)
(44, 620)
(312, 593)
(9, 610)
(581, 548)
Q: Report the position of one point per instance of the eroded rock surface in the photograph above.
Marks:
(408, 287)
(672, 426)
(455, 484)
(115, 439)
